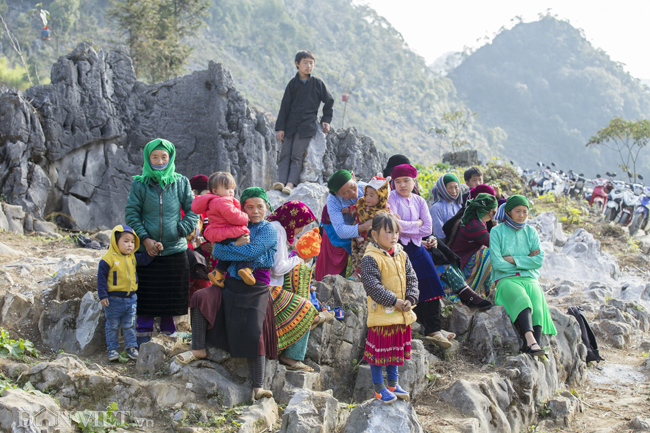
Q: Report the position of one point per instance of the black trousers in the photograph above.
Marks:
(525, 322)
(429, 315)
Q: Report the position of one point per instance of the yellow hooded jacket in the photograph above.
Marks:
(116, 274)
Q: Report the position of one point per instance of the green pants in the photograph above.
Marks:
(518, 293)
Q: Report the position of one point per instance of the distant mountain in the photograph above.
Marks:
(446, 63)
(550, 90)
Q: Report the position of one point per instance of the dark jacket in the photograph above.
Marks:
(442, 255)
(155, 213)
(300, 104)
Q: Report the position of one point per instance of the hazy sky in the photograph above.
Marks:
(434, 27)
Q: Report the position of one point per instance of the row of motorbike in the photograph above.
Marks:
(628, 204)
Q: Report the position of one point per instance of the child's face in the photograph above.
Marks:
(404, 186)
(126, 243)
(306, 65)
(453, 189)
(372, 197)
(386, 238)
(159, 157)
(224, 191)
(475, 181)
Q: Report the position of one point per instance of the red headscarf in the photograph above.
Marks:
(292, 215)
(478, 189)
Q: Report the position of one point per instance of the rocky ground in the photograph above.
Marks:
(481, 384)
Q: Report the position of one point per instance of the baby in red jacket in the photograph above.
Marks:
(226, 223)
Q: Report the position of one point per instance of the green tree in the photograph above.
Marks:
(154, 31)
(63, 16)
(628, 138)
(455, 124)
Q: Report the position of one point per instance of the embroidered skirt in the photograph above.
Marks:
(388, 345)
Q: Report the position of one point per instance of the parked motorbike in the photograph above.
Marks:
(640, 220)
(614, 202)
(600, 193)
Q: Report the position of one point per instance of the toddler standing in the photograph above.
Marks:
(392, 288)
(117, 283)
(227, 223)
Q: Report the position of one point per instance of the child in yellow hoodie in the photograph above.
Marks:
(117, 283)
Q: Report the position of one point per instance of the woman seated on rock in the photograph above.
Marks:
(290, 286)
(473, 242)
(338, 224)
(245, 326)
(448, 201)
(451, 227)
(516, 257)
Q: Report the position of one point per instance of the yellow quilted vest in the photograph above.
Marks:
(393, 278)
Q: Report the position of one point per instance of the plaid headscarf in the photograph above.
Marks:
(440, 193)
(292, 215)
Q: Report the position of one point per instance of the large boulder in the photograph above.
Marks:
(72, 146)
(376, 417)
(311, 412)
(549, 228)
(26, 412)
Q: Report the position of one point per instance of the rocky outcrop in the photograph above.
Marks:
(71, 147)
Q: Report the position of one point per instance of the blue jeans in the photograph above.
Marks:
(121, 312)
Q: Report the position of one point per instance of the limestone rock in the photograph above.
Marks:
(259, 417)
(460, 321)
(312, 194)
(151, 358)
(639, 423)
(492, 335)
(90, 325)
(104, 237)
(549, 228)
(24, 412)
(615, 333)
(564, 408)
(339, 344)
(4, 224)
(211, 380)
(376, 417)
(15, 218)
(95, 143)
(8, 251)
(310, 412)
(467, 396)
(16, 309)
(44, 227)
(312, 168)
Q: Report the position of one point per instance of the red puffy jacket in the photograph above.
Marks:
(226, 218)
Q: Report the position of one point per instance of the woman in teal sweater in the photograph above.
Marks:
(153, 210)
(516, 258)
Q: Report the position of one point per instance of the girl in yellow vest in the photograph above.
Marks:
(392, 288)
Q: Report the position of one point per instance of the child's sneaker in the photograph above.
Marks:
(399, 392)
(216, 278)
(132, 352)
(246, 274)
(385, 396)
(113, 355)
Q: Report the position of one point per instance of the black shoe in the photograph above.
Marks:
(534, 352)
(473, 300)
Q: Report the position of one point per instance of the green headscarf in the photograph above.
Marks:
(514, 201)
(253, 192)
(450, 177)
(338, 179)
(479, 206)
(165, 176)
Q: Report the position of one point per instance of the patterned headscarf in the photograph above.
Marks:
(501, 214)
(292, 215)
(478, 207)
(440, 193)
(165, 176)
(365, 212)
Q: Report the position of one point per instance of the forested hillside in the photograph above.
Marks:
(395, 98)
(550, 90)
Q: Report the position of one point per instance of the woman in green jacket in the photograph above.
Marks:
(516, 257)
(153, 210)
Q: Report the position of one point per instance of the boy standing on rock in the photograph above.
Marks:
(297, 120)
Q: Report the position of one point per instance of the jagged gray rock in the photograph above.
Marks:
(311, 412)
(72, 146)
(25, 412)
(376, 417)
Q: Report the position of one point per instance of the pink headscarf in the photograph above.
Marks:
(292, 215)
(487, 189)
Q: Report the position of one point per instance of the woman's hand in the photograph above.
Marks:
(533, 253)
(365, 226)
(152, 247)
(345, 211)
(509, 259)
(420, 223)
(105, 302)
(432, 242)
(244, 239)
